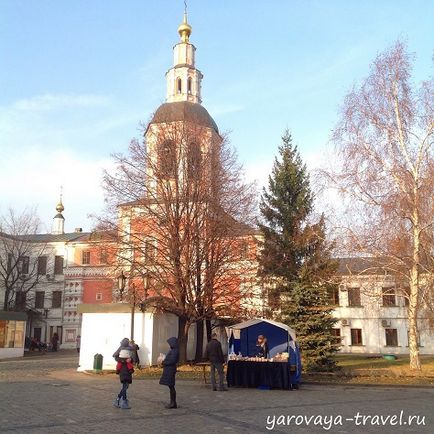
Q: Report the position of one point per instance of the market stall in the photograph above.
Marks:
(279, 365)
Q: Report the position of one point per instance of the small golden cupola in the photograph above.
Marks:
(59, 206)
(184, 29)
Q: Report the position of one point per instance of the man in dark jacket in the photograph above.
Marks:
(214, 354)
(169, 370)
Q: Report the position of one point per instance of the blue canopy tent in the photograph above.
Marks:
(280, 338)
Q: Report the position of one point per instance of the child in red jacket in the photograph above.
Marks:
(124, 369)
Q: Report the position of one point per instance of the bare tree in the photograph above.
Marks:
(20, 258)
(184, 212)
(385, 173)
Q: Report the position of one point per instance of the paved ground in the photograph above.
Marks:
(46, 395)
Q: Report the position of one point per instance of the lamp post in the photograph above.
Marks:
(121, 286)
(121, 283)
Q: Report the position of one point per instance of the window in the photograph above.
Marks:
(23, 265)
(98, 296)
(336, 333)
(150, 251)
(37, 333)
(189, 85)
(58, 265)
(167, 158)
(333, 294)
(20, 300)
(194, 160)
(389, 298)
(85, 257)
(354, 297)
(103, 256)
(356, 337)
(391, 337)
(39, 299)
(179, 85)
(11, 334)
(57, 299)
(70, 335)
(42, 265)
(149, 283)
(10, 259)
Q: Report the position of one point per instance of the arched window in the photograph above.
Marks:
(194, 160)
(189, 85)
(179, 85)
(167, 159)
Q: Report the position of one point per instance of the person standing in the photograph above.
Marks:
(78, 343)
(55, 341)
(214, 354)
(169, 370)
(125, 370)
(262, 347)
(134, 353)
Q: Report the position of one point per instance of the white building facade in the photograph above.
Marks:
(61, 270)
(372, 314)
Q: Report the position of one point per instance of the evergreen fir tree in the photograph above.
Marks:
(284, 208)
(296, 258)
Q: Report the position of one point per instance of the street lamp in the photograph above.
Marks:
(121, 286)
(121, 283)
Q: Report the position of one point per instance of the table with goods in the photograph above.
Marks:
(263, 373)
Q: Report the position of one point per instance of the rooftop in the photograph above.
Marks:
(184, 111)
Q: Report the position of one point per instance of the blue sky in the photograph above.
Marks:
(77, 77)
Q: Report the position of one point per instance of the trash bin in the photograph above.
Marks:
(97, 362)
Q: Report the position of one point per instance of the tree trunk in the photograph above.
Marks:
(413, 305)
(183, 327)
(413, 333)
(208, 330)
(6, 299)
(199, 341)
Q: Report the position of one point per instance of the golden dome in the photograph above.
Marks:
(184, 29)
(60, 207)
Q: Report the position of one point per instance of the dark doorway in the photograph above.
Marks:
(37, 332)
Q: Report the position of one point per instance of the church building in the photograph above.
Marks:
(76, 281)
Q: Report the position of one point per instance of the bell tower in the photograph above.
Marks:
(183, 79)
(180, 127)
